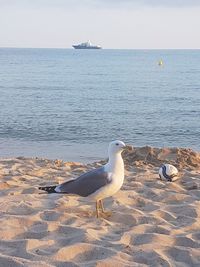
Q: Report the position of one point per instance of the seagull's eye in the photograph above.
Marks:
(117, 144)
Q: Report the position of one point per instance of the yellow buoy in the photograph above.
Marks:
(160, 62)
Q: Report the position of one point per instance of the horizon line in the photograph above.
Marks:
(71, 48)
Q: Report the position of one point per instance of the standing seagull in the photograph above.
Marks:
(99, 183)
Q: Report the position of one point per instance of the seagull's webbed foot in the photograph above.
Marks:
(106, 214)
(101, 211)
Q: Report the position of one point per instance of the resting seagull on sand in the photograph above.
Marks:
(99, 183)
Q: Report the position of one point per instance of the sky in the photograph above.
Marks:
(119, 24)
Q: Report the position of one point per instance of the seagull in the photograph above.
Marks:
(99, 183)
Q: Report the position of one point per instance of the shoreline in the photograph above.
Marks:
(153, 223)
(147, 154)
(85, 153)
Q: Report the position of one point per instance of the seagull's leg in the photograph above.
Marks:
(97, 208)
(105, 214)
(101, 205)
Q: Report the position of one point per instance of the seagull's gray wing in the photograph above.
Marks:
(86, 184)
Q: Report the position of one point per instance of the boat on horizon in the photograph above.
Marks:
(86, 45)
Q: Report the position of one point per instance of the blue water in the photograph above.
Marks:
(68, 104)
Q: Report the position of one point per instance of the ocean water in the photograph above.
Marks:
(69, 104)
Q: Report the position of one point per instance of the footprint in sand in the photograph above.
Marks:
(49, 215)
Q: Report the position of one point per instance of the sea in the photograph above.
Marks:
(69, 104)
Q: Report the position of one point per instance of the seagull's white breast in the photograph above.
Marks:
(116, 176)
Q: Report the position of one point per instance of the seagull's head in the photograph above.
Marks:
(116, 147)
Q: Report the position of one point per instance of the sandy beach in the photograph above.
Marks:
(153, 223)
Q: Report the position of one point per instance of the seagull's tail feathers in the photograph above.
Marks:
(48, 189)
